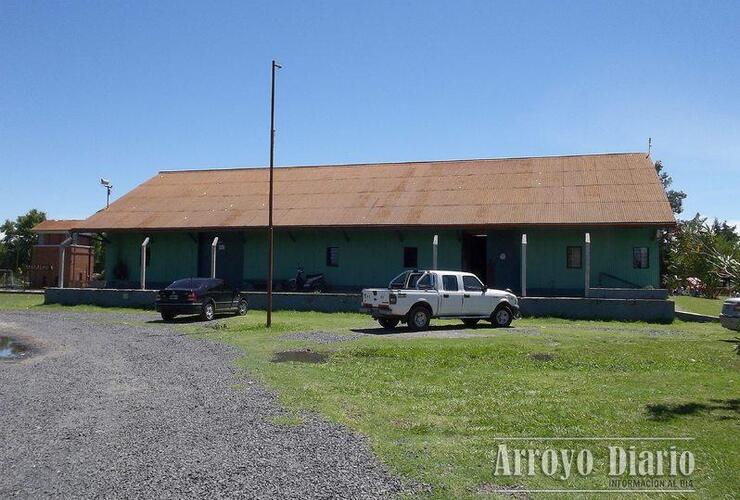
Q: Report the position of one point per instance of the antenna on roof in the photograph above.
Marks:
(650, 146)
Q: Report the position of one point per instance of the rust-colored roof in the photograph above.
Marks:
(56, 226)
(614, 189)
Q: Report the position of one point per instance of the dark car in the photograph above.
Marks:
(205, 297)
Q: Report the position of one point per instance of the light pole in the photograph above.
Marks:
(108, 186)
(275, 66)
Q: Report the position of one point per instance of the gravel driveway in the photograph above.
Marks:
(109, 405)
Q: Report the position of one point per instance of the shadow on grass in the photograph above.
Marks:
(728, 409)
(432, 328)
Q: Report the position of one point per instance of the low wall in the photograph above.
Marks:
(606, 309)
(628, 293)
(110, 297)
(563, 307)
(696, 318)
(106, 297)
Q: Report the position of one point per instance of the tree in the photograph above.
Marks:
(705, 251)
(18, 239)
(675, 198)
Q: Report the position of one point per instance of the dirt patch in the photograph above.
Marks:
(300, 356)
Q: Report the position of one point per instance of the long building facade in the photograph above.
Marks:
(360, 225)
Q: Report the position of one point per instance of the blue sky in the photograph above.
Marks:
(124, 89)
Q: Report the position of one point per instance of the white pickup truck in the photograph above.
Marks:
(415, 297)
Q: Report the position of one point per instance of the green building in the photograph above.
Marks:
(361, 225)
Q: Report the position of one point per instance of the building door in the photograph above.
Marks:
(504, 260)
(229, 257)
(474, 255)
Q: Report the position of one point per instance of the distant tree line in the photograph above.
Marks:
(16, 240)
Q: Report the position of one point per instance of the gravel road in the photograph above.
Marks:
(109, 405)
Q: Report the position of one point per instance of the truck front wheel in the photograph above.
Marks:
(388, 323)
(419, 318)
(502, 316)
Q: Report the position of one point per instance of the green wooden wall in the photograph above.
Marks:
(373, 257)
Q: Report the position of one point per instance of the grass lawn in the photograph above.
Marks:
(709, 307)
(435, 409)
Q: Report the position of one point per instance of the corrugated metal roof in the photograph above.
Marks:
(56, 226)
(619, 188)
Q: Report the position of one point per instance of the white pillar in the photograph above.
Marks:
(524, 265)
(214, 244)
(144, 244)
(62, 248)
(587, 267)
(435, 244)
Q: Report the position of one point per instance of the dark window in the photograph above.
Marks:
(472, 284)
(332, 256)
(426, 282)
(640, 258)
(574, 258)
(410, 257)
(190, 283)
(413, 278)
(449, 282)
(399, 281)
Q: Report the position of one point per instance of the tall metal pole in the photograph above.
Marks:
(269, 226)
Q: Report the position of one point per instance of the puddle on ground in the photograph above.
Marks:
(12, 349)
(302, 356)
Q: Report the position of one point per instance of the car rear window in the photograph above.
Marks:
(191, 283)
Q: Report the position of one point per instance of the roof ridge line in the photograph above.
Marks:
(413, 162)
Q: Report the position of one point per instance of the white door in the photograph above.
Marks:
(451, 296)
(475, 302)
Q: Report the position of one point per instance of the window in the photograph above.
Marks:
(410, 257)
(574, 258)
(413, 279)
(426, 282)
(449, 283)
(640, 258)
(472, 284)
(332, 256)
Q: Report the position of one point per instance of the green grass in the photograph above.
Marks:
(433, 408)
(708, 307)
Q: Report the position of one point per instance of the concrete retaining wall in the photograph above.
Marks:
(696, 318)
(562, 307)
(101, 297)
(607, 309)
(109, 297)
(628, 293)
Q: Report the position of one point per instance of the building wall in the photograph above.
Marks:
(44, 268)
(611, 253)
(366, 257)
(373, 257)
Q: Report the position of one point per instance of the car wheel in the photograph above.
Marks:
(168, 316)
(208, 312)
(470, 322)
(419, 318)
(502, 317)
(388, 323)
(241, 309)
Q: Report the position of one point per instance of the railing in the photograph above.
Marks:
(617, 278)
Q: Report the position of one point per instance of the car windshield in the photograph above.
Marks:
(190, 283)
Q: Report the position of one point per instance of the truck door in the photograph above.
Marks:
(475, 302)
(450, 296)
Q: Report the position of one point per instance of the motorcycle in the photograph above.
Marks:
(306, 283)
